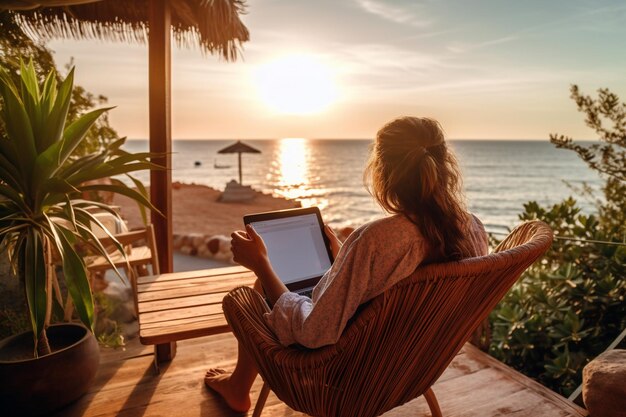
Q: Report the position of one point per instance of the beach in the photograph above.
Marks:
(197, 210)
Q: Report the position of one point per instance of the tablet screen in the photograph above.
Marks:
(295, 246)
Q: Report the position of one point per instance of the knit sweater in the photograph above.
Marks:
(374, 257)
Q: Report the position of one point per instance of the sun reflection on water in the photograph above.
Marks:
(294, 164)
(293, 156)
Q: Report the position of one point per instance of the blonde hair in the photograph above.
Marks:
(412, 171)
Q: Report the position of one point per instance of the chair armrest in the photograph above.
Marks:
(533, 230)
(126, 238)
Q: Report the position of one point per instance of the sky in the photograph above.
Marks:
(484, 69)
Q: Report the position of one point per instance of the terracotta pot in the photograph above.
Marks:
(31, 387)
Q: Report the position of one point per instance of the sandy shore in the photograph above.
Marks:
(196, 209)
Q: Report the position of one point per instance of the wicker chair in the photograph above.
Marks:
(397, 345)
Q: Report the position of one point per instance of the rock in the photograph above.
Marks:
(224, 252)
(213, 245)
(177, 241)
(124, 312)
(131, 329)
(604, 384)
(186, 250)
(118, 291)
(224, 245)
(105, 326)
(120, 300)
(196, 240)
(204, 252)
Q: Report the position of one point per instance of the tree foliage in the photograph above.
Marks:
(609, 156)
(567, 308)
(15, 45)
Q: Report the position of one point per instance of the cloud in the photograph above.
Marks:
(393, 14)
(466, 47)
(605, 20)
(382, 57)
(523, 81)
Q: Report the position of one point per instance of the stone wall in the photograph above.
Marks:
(218, 246)
(211, 247)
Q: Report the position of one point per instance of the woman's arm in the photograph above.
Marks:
(249, 250)
(371, 260)
(297, 319)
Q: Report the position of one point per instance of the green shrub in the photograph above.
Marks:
(108, 331)
(568, 307)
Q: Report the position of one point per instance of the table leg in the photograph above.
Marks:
(164, 352)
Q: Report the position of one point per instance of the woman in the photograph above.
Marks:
(412, 175)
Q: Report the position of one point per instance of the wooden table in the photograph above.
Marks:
(184, 305)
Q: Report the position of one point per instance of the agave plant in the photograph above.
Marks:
(43, 217)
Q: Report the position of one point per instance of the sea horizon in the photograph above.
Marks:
(359, 139)
(499, 176)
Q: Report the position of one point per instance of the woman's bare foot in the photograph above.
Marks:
(220, 381)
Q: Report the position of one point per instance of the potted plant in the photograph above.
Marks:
(43, 221)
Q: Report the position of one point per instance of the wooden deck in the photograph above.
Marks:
(127, 385)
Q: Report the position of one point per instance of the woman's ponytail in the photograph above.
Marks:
(412, 171)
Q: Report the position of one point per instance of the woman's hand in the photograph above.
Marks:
(335, 243)
(249, 249)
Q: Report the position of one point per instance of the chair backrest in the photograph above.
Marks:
(130, 238)
(113, 224)
(401, 342)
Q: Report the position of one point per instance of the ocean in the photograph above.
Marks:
(499, 176)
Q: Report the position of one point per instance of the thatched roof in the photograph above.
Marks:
(213, 24)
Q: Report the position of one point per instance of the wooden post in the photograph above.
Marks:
(239, 155)
(159, 59)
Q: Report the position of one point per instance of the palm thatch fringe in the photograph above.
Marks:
(214, 25)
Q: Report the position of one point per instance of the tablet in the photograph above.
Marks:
(297, 246)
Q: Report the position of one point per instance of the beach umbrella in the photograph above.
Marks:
(239, 147)
(214, 25)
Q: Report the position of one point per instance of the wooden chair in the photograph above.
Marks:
(397, 345)
(138, 257)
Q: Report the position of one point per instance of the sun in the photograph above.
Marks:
(296, 84)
